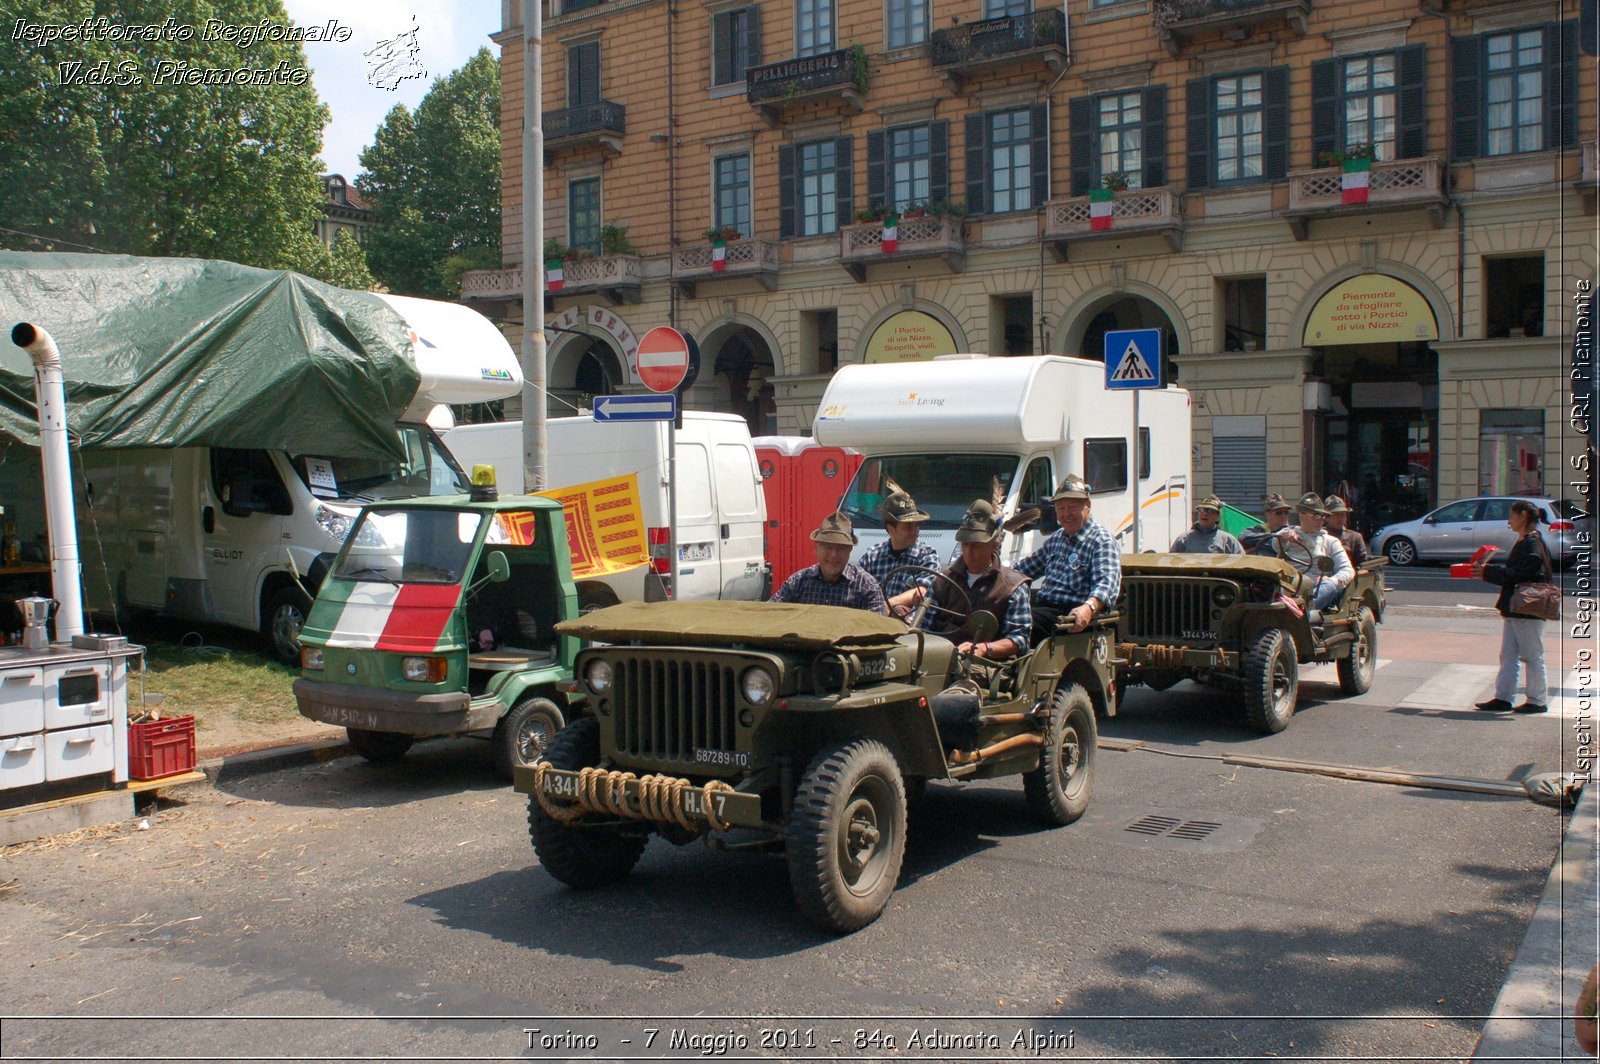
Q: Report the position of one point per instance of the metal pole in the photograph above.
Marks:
(672, 502)
(1137, 464)
(535, 412)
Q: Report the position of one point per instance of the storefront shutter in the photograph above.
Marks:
(1200, 133)
(844, 180)
(1080, 142)
(1275, 150)
(1325, 108)
(786, 192)
(1467, 56)
(1239, 470)
(977, 165)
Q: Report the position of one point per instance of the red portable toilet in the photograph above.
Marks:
(804, 482)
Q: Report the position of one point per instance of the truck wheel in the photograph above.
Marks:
(379, 747)
(847, 835)
(580, 856)
(1058, 790)
(524, 733)
(283, 614)
(1271, 682)
(1355, 671)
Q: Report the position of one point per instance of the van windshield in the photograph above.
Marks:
(427, 470)
(409, 546)
(944, 485)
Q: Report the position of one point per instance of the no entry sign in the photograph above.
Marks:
(663, 359)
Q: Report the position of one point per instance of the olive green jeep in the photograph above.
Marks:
(808, 725)
(1244, 623)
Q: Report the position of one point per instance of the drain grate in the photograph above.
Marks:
(1194, 830)
(1154, 824)
(1183, 830)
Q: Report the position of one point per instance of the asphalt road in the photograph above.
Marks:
(397, 911)
(1432, 585)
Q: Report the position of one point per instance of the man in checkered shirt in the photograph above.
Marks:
(833, 581)
(903, 522)
(1080, 563)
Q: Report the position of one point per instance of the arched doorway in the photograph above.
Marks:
(1089, 321)
(581, 367)
(743, 366)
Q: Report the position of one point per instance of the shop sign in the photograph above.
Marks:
(910, 336)
(1370, 308)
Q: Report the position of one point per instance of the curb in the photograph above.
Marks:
(273, 759)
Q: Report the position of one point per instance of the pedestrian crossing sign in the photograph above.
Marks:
(1133, 359)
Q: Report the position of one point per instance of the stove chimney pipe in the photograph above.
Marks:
(50, 390)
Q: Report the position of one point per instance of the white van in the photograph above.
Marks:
(946, 429)
(722, 513)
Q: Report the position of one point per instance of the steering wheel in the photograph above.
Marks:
(948, 620)
(1295, 553)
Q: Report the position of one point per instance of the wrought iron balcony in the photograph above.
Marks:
(1135, 212)
(600, 123)
(968, 49)
(861, 246)
(839, 75)
(1401, 185)
(757, 259)
(1179, 22)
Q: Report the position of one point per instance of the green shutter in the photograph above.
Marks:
(1080, 143)
(1275, 123)
(1467, 92)
(788, 225)
(939, 160)
(1200, 133)
(844, 178)
(1412, 64)
(1325, 96)
(1154, 106)
(977, 165)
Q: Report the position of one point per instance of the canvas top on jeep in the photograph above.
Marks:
(780, 626)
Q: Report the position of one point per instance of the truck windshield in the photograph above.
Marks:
(427, 470)
(396, 546)
(943, 484)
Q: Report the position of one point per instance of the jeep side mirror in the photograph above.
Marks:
(499, 568)
(983, 625)
(1324, 564)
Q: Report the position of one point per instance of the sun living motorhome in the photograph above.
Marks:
(947, 429)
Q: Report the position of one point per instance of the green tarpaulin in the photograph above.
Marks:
(190, 352)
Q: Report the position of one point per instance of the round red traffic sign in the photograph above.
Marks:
(663, 359)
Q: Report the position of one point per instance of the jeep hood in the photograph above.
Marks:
(779, 625)
(1234, 566)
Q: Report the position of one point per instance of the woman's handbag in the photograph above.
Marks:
(1541, 599)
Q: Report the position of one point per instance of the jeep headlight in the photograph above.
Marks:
(311, 657)
(598, 676)
(758, 686)
(1223, 595)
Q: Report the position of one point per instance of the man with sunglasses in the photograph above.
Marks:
(1257, 539)
(1207, 536)
(1315, 539)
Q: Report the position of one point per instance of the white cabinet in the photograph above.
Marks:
(21, 701)
(21, 761)
(73, 752)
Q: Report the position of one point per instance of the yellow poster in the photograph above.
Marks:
(910, 336)
(605, 525)
(1370, 308)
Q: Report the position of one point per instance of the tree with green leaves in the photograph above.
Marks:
(432, 178)
(118, 145)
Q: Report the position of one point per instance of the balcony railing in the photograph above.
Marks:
(839, 75)
(618, 278)
(1404, 184)
(1135, 212)
(601, 123)
(1178, 22)
(488, 285)
(1000, 42)
(756, 259)
(861, 245)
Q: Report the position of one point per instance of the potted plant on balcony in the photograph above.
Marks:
(614, 240)
(720, 236)
(1100, 199)
(556, 255)
(1355, 166)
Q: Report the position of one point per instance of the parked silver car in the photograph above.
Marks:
(1455, 531)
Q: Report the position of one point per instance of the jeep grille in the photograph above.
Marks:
(666, 709)
(1175, 611)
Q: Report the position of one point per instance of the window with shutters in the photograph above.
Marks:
(731, 181)
(1378, 99)
(813, 23)
(910, 166)
(1514, 92)
(1238, 128)
(816, 174)
(1371, 104)
(1010, 160)
(1120, 132)
(735, 44)
(583, 214)
(583, 74)
(907, 22)
(1005, 8)
(1240, 124)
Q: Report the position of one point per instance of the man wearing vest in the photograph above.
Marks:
(989, 586)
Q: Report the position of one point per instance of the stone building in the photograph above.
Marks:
(1361, 226)
(343, 210)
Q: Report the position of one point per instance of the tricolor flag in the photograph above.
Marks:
(553, 277)
(1100, 207)
(1353, 183)
(378, 615)
(719, 255)
(891, 232)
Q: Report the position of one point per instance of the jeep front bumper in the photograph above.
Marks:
(665, 799)
(1162, 656)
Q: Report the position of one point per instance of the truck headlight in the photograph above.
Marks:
(598, 676)
(758, 686)
(311, 657)
(334, 523)
(1223, 595)
(423, 670)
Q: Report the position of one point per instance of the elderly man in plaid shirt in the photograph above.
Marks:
(1080, 563)
(903, 522)
(833, 581)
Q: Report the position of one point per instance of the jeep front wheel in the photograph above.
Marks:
(1355, 671)
(847, 835)
(1058, 790)
(1271, 682)
(580, 856)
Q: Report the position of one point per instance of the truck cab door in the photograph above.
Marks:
(741, 516)
(1038, 484)
(241, 530)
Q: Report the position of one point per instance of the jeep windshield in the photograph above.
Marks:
(397, 546)
(943, 484)
(428, 469)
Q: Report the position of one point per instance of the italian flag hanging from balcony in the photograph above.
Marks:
(719, 255)
(891, 232)
(1100, 207)
(553, 277)
(1354, 181)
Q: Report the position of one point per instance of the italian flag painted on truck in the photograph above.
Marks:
(378, 615)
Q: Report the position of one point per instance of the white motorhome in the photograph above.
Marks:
(243, 537)
(722, 513)
(946, 429)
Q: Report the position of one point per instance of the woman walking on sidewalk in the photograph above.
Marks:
(1522, 638)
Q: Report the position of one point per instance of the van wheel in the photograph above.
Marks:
(1271, 682)
(593, 597)
(1355, 671)
(379, 747)
(283, 614)
(525, 733)
(1058, 790)
(580, 856)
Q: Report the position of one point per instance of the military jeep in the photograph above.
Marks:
(807, 725)
(1244, 623)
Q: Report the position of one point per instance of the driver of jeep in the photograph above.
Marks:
(1321, 544)
(988, 585)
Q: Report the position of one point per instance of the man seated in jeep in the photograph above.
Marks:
(988, 585)
(833, 581)
(1312, 536)
(1079, 562)
(1260, 539)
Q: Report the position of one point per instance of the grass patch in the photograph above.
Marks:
(215, 683)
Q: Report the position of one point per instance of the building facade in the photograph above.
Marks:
(343, 210)
(1361, 227)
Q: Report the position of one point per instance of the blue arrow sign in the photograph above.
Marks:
(1133, 359)
(636, 407)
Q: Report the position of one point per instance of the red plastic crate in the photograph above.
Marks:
(158, 748)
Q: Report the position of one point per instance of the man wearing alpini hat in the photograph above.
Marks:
(903, 523)
(1310, 534)
(1207, 535)
(833, 581)
(1355, 544)
(1079, 562)
(1258, 539)
(989, 586)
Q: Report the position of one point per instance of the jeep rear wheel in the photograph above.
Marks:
(1355, 671)
(379, 747)
(577, 855)
(1271, 682)
(847, 835)
(1058, 790)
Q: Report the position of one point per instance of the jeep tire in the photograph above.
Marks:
(1058, 790)
(379, 747)
(847, 835)
(1271, 681)
(525, 732)
(1356, 669)
(579, 856)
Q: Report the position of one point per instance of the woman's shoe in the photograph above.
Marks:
(1494, 705)
(1531, 707)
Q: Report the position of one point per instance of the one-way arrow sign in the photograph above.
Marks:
(635, 407)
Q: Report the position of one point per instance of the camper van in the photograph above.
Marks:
(721, 511)
(243, 537)
(947, 429)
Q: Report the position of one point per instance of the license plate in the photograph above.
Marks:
(729, 758)
(348, 717)
(694, 552)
